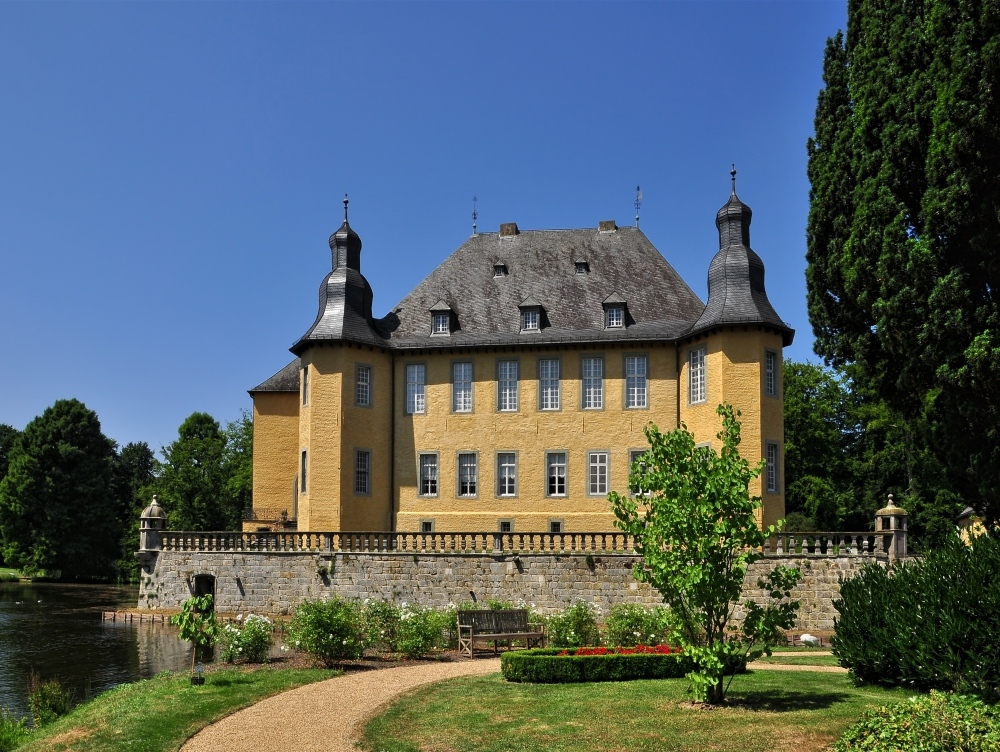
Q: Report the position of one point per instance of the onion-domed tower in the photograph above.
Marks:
(733, 353)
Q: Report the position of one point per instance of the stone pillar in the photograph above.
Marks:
(152, 521)
(890, 523)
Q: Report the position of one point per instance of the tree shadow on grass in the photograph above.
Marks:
(229, 681)
(782, 701)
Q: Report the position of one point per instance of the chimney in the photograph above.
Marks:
(607, 225)
(508, 229)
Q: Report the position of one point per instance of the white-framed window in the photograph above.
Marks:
(696, 375)
(616, 317)
(468, 474)
(636, 386)
(506, 526)
(426, 526)
(770, 373)
(440, 323)
(428, 474)
(303, 471)
(555, 483)
(461, 387)
(362, 472)
(507, 385)
(637, 456)
(555, 526)
(416, 395)
(363, 386)
(530, 318)
(597, 480)
(771, 469)
(548, 384)
(506, 474)
(305, 385)
(593, 383)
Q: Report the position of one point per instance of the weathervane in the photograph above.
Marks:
(345, 207)
(475, 214)
(638, 204)
(732, 173)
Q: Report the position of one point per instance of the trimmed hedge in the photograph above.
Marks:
(930, 624)
(546, 666)
(934, 723)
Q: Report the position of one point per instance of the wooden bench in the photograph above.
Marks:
(502, 625)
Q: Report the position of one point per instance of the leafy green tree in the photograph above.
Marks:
(695, 527)
(197, 624)
(57, 507)
(904, 219)
(192, 482)
(8, 435)
(134, 474)
(238, 466)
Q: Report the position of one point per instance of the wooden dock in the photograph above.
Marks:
(129, 617)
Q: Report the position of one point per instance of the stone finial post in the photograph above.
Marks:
(890, 523)
(152, 521)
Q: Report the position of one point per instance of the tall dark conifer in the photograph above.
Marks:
(904, 222)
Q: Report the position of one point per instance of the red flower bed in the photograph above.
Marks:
(640, 649)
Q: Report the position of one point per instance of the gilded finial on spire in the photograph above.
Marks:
(345, 207)
(732, 174)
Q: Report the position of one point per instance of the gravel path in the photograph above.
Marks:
(326, 716)
(761, 666)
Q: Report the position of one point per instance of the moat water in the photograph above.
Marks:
(56, 630)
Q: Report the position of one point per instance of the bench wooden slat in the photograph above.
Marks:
(493, 625)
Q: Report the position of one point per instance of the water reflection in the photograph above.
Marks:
(57, 631)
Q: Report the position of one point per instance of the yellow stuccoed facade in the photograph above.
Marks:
(329, 428)
(345, 440)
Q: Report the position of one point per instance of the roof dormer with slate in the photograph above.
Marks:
(345, 297)
(736, 294)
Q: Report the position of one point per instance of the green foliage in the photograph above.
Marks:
(544, 666)
(193, 482)
(237, 461)
(47, 700)
(14, 731)
(696, 530)
(381, 624)
(927, 624)
(935, 723)
(904, 216)
(197, 623)
(422, 630)
(8, 435)
(57, 509)
(574, 626)
(630, 624)
(134, 471)
(331, 630)
(247, 641)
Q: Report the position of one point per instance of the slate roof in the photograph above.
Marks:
(736, 293)
(541, 266)
(285, 380)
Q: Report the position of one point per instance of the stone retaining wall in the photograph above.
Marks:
(274, 583)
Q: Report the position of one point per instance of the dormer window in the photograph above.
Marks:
(530, 320)
(441, 319)
(499, 270)
(582, 267)
(614, 311)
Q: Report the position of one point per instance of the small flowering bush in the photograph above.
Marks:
(637, 650)
(331, 630)
(249, 640)
(421, 630)
(575, 626)
(631, 624)
(381, 624)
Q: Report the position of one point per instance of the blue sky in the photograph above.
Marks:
(170, 172)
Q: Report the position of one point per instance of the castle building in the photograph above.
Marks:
(509, 390)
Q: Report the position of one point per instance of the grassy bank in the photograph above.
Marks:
(161, 713)
(9, 575)
(800, 660)
(769, 710)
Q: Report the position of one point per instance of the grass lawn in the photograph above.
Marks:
(163, 712)
(769, 710)
(9, 575)
(800, 660)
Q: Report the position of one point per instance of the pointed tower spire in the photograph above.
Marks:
(345, 245)
(733, 219)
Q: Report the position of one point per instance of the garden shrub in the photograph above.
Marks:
(938, 722)
(548, 666)
(331, 630)
(632, 624)
(14, 731)
(47, 700)
(381, 624)
(574, 626)
(249, 640)
(927, 624)
(421, 630)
